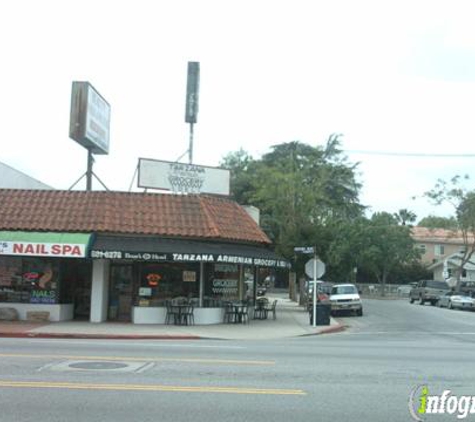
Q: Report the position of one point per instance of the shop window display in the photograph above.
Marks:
(223, 283)
(29, 280)
(159, 282)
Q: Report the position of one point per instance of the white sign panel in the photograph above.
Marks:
(97, 120)
(90, 118)
(183, 178)
(66, 250)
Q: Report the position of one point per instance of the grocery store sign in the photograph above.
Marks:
(189, 257)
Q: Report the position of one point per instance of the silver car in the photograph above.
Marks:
(453, 300)
(345, 297)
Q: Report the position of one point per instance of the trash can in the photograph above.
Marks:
(323, 314)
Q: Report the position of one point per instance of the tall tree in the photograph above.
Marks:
(463, 201)
(435, 222)
(404, 216)
(377, 245)
(299, 189)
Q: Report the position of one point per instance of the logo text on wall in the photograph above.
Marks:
(423, 404)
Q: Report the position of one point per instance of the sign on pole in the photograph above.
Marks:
(182, 178)
(90, 118)
(314, 268)
(304, 249)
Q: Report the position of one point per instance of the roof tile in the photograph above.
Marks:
(193, 216)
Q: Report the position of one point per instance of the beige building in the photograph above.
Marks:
(437, 244)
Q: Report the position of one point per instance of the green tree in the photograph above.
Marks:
(242, 171)
(377, 246)
(435, 222)
(299, 189)
(404, 216)
(463, 201)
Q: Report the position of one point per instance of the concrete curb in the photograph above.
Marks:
(335, 329)
(102, 336)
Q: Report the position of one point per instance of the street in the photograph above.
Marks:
(365, 373)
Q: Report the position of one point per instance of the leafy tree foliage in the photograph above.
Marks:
(377, 246)
(309, 196)
(404, 216)
(299, 190)
(434, 222)
(463, 201)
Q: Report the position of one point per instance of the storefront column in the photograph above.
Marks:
(99, 290)
(202, 283)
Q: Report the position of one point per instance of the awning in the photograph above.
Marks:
(50, 244)
(180, 250)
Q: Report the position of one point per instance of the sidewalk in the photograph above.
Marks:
(292, 321)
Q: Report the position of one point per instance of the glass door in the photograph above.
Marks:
(120, 295)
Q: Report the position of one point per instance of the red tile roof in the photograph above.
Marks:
(189, 216)
(436, 235)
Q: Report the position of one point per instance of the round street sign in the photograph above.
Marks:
(310, 267)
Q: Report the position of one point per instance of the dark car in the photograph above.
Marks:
(428, 291)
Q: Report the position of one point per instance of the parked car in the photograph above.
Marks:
(345, 297)
(323, 292)
(467, 288)
(454, 300)
(428, 291)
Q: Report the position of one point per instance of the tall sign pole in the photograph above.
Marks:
(192, 97)
(90, 161)
(315, 287)
(314, 268)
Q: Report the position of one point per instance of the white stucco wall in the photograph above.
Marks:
(15, 179)
(99, 290)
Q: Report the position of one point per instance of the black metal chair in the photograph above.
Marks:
(272, 309)
(261, 308)
(171, 314)
(187, 315)
(242, 313)
(229, 314)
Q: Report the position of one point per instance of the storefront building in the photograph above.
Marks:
(105, 256)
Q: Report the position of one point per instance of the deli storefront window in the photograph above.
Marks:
(160, 282)
(29, 280)
(224, 283)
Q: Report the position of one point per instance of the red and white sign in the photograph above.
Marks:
(65, 250)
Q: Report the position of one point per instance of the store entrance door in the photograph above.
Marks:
(120, 295)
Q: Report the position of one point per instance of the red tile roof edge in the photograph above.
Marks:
(97, 211)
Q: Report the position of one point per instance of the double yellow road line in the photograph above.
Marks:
(148, 387)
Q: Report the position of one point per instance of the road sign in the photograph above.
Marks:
(304, 249)
(314, 268)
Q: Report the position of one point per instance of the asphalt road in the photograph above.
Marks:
(363, 374)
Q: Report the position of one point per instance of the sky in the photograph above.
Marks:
(395, 78)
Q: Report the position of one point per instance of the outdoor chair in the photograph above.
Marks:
(261, 308)
(272, 309)
(229, 314)
(242, 314)
(187, 314)
(171, 315)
